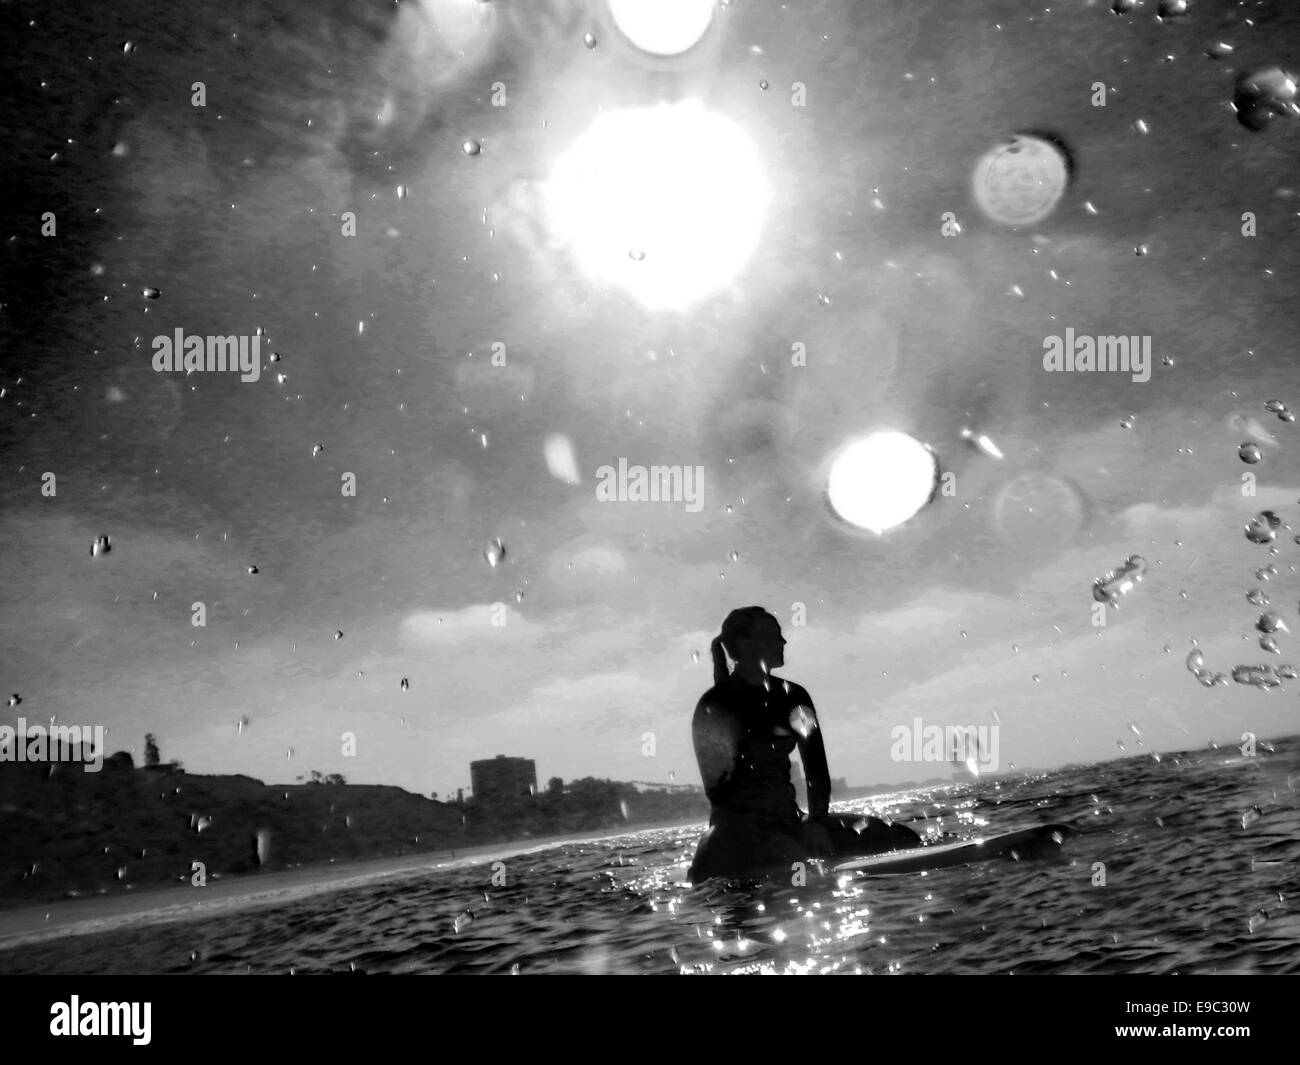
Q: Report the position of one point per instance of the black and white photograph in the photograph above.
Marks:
(651, 488)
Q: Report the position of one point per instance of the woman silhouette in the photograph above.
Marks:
(745, 728)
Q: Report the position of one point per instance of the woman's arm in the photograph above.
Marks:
(812, 749)
(717, 739)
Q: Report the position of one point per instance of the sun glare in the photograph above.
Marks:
(666, 202)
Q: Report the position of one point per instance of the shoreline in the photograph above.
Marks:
(162, 904)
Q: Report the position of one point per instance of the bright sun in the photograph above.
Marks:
(880, 481)
(665, 202)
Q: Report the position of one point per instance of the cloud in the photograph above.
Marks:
(484, 621)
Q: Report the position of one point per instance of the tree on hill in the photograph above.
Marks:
(317, 777)
(151, 755)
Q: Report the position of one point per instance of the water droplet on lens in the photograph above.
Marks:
(695, 656)
(803, 721)
(1251, 816)
(1261, 95)
(1256, 676)
(102, 546)
(406, 684)
(1250, 453)
(1275, 406)
(316, 449)
(495, 552)
(1219, 50)
(1113, 586)
(338, 635)
(471, 147)
(252, 570)
(1263, 527)
(15, 699)
(1196, 660)
(151, 293)
(589, 40)
(1269, 644)
(1171, 8)
(636, 255)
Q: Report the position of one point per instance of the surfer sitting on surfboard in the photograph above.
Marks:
(745, 728)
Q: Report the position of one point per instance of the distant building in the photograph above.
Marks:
(501, 779)
(839, 785)
(667, 789)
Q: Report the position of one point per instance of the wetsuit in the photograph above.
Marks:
(744, 736)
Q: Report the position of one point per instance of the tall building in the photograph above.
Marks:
(500, 779)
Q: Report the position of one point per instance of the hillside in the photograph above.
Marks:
(65, 832)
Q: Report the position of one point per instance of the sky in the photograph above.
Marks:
(585, 646)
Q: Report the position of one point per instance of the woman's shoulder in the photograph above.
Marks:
(796, 692)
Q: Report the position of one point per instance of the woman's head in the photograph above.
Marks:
(752, 637)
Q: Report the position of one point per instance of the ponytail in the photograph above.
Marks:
(738, 624)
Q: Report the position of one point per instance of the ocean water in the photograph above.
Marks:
(1200, 853)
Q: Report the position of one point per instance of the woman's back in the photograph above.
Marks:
(743, 740)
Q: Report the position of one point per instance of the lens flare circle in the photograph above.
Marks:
(1021, 181)
(663, 27)
(881, 480)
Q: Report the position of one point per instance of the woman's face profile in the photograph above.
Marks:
(764, 646)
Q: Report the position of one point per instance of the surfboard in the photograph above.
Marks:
(1025, 843)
